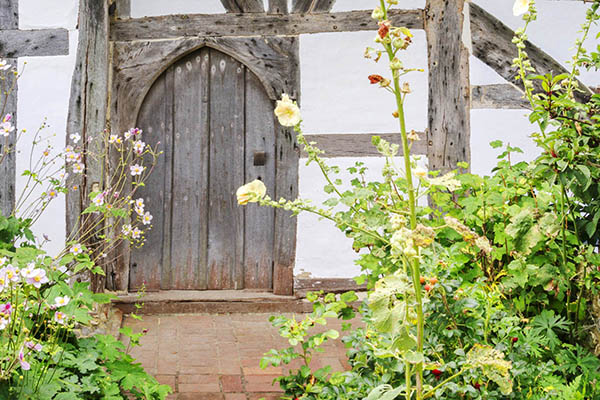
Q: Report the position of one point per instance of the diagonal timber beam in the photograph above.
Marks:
(492, 44)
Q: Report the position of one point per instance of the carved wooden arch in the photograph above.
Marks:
(137, 65)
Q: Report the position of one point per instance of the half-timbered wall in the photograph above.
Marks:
(336, 97)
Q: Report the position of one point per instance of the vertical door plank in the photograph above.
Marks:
(145, 263)
(260, 221)
(189, 172)
(226, 173)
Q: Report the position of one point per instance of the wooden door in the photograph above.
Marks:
(211, 116)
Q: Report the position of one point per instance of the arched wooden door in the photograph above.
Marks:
(216, 127)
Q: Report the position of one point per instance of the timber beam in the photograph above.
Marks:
(492, 44)
(358, 144)
(40, 42)
(258, 24)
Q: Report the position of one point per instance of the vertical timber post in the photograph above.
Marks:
(88, 111)
(286, 181)
(449, 128)
(9, 19)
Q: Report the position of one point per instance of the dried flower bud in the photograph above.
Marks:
(405, 88)
(384, 28)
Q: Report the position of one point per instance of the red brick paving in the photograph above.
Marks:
(216, 356)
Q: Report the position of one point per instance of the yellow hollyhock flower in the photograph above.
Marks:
(521, 7)
(251, 192)
(287, 111)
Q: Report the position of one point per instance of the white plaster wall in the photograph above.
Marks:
(43, 95)
(336, 98)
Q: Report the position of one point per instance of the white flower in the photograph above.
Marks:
(99, 199)
(10, 273)
(147, 218)
(75, 137)
(3, 261)
(136, 169)
(72, 156)
(287, 111)
(52, 193)
(114, 139)
(5, 126)
(251, 192)
(139, 211)
(76, 249)
(28, 271)
(139, 203)
(4, 321)
(61, 301)
(521, 7)
(60, 317)
(4, 65)
(136, 233)
(126, 230)
(138, 146)
(420, 172)
(68, 150)
(78, 168)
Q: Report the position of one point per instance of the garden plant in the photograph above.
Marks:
(490, 291)
(48, 314)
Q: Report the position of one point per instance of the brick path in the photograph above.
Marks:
(216, 356)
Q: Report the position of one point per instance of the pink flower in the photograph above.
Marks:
(5, 126)
(136, 169)
(33, 346)
(37, 278)
(6, 309)
(60, 317)
(24, 364)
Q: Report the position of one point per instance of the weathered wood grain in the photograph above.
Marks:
(259, 221)
(251, 6)
(302, 6)
(321, 6)
(358, 144)
(448, 135)
(286, 186)
(123, 9)
(492, 44)
(138, 64)
(9, 14)
(278, 7)
(497, 96)
(231, 6)
(8, 105)
(226, 173)
(42, 42)
(257, 24)
(88, 106)
(146, 262)
(9, 19)
(190, 172)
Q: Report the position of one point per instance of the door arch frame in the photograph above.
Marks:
(274, 60)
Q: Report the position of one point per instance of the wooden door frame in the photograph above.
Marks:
(137, 65)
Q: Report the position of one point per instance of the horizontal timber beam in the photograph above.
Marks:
(39, 42)
(257, 24)
(358, 144)
(502, 95)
